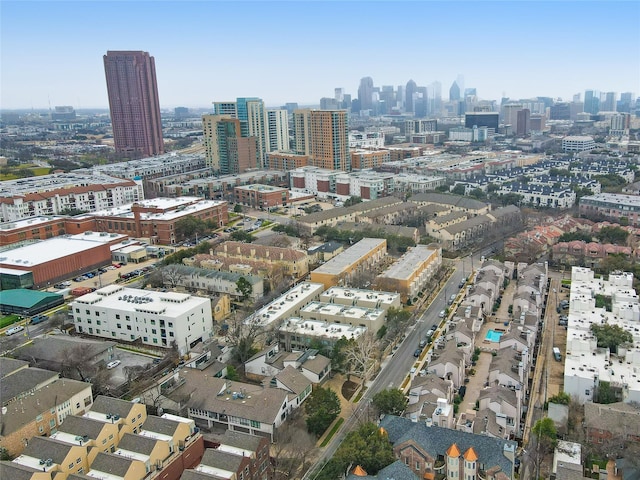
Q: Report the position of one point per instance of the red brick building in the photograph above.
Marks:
(261, 196)
(286, 161)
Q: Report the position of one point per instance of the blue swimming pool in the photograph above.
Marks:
(493, 336)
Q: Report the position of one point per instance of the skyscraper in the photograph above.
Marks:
(324, 136)
(365, 93)
(226, 150)
(523, 119)
(133, 102)
(454, 92)
(278, 128)
(591, 101)
(410, 90)
(609, 103)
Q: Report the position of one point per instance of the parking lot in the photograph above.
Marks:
(127, 359)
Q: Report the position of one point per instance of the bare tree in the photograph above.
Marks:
(293, 448)
(242, 335)
(172, 275)
(360, 355)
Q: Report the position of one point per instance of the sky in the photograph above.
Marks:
(299, 51)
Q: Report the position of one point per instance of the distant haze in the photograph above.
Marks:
(282, 52)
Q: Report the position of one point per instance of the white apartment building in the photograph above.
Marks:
(57, 193)
(370, 318)
(359, 139)
(277, 130)
(361, 298)
(586, 365)
(158, 318)
(287, 305)
(314, 180)
(297, 333)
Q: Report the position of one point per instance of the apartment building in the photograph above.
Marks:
(158, 318)
(362, 256)
(294, 263)
(410, 273)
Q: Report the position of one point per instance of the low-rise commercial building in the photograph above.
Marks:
(578, 144)
(261, 196)
(361, 298)
(157, 318)
(287, 305)
(298, 333)
(612, 205)
(294, 263)
(371, 318)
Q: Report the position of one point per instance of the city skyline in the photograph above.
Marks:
(299, 52)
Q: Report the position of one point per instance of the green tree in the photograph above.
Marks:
(615, 235)
(478, 194)
(368, 446)
(604, 393)
(352, 201)
(237, 208)
(241, 236)
(245, 288)
(322, 408)
(510, 199)
(546, 437)
(611, 336)
(562, 398)
(390, 401)
(571, 236)
(459, 189)
(232, 373)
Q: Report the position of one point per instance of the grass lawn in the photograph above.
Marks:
(9, 320)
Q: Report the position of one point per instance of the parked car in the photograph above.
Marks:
(14, 330)
(442, 314)
(113, 364)
(423, 343)
(36, 319)
(417, 353)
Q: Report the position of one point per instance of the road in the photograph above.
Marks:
(395, 371)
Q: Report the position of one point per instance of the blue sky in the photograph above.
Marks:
(51, 51)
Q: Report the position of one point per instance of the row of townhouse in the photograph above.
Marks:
(537, 195)
(116, 439)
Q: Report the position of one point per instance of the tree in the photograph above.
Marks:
(604, 393)
(237, 208)
(368, 446)
(232, 373)
(611, 336)
(360, 355)
(241, 335)
(241, 236)
(292, 449)
(354, 200)
(172, 275)
(397, 319)
(562, 398)
(322, 408)
(390, 401)
(510, 199)
(546, 437)
(459, 189)
(615, 235)
(571, 236)
(245, 288)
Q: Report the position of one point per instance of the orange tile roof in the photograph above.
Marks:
(470, 455)
(429, 476)
(359, 471)
(453, 451)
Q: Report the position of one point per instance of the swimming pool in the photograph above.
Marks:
(493, 336)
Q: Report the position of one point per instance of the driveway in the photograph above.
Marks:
(127, 359)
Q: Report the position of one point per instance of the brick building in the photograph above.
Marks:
(261, 196)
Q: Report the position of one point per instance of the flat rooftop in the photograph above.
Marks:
(282, 306)
(350, 256)
(261, 188)
(122, 298)
(350, 313)
(46, 183)
(29, 222)
(318, 328)
(172, 208)
(407, 264)
(356, 295)
(46, 251)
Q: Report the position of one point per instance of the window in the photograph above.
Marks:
(39, 418)
(118, 325)
(78, 405)
(52, 423)
(117, 316)
(78, 460)
(88, 312)
(417, 465)
(71, 465)
(104, 441)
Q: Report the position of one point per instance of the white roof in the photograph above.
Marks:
(351, 255)
(46, 251)
(172, 208)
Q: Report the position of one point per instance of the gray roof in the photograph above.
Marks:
(137, 443)
(396, 471)
(193, 475)
(294, 380)
(10, 365)
(467, 224)
(42, 447)
(76, 425)
(15, 471)
(316, 364)
(617, 418)
(23, 381)
(236, 439)
(113, 464)
(224, 460)
(437, 440)
(160, 425)
(330, 246)
(370, 228)
(339, 212)
(112, 405)
(444, 199)
(500, 394)
(448, 217)
(189, 272)
(56, 348)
